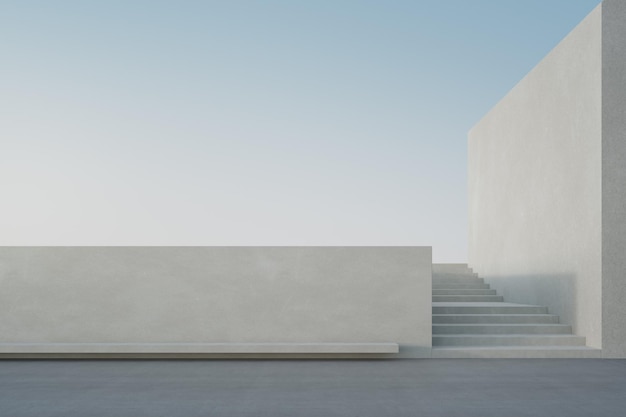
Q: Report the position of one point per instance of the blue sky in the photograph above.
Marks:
(254, 122)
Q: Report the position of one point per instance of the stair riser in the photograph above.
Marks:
(501, 329)
(490, 310)
(457, 272)
(495, 319)
(455, 277)
(437, 286)
(467, 298)
(522, 340)
(463, 292)
(452, 283)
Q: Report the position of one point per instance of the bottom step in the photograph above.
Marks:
(489, 340)
(512, 352)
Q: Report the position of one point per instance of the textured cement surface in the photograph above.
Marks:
(87, 299)
(613, 177)
(535, 186)
(314, 388)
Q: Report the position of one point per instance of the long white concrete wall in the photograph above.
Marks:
(535, 168)
(182, 299)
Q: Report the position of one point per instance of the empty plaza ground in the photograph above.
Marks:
(447, 387)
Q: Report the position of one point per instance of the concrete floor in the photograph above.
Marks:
(449, 387)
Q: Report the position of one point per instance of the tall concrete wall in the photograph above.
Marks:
(144, 296)
(535, 185)
(547, 182)
(614, 178)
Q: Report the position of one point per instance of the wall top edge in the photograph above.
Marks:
(214, 247)
(595, 13)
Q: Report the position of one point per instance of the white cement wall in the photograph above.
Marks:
(200, 295)
(535, 185)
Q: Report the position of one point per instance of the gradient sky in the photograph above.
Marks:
(254, 122)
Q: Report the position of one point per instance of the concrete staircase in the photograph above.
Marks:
(471, 320)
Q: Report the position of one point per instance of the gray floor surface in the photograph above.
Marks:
(447, 387)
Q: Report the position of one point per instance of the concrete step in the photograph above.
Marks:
(516, 352)
(495, 318)
(453, 282)
(463, 291)
(501, 329)
(486, 308)
(451, 269)
(456, 276)
(462, 286)
(507, 340)
(471, 320)
(467, 298)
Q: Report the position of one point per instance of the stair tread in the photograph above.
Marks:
(480, 304)
(533, 347)
(505, 314)
(500, 324)
(462, 287)
(456, 277)
(450, 294)
(509, 335)
(496, 318)
(515, 351)
(470, 296)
